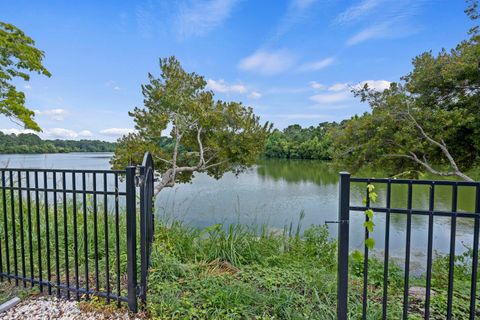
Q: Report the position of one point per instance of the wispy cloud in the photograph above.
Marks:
(330, 97)
(317, 65)
(199, 17)
(297, 13)
(373, 32)
(338, 87)
(287, 90)
(144, 16)
(255, 95)
(222, 87)
(315, 85)
(387, 19)
(112, 85)
(357, 11)
(267, 62)
(57, 114)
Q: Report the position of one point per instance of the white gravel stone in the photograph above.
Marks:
(54, 308)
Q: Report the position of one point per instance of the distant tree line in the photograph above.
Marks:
(31, 143)
(295, 142)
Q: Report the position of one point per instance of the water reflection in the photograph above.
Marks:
(294, 171)
(326, 175)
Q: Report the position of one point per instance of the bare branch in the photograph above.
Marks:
(429, 168)
(443, 146)
(216, 164)
(201, 160)
(164, 160)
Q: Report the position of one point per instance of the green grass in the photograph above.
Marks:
(63, 246)
(9, 291)
(244, 273)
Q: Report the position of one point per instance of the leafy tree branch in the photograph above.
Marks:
(206, 135)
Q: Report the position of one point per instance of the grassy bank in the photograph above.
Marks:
(243, 273)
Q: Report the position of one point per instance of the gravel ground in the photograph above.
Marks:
(54, 308)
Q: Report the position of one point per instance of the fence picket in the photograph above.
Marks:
(344, 217)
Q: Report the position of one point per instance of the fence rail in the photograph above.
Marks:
(74, 232)
(345, 208)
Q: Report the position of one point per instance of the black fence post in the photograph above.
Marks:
(143, 238)
(131, 238)
(343, 244)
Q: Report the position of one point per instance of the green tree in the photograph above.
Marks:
(295, 142)
(18, 56)
(208, 136)
(427, 122)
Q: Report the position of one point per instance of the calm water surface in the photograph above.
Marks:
(275, 192)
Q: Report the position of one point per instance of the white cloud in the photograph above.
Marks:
(57, 114)
(200, 17)
(222, 87)
(331, 107)
(338, 87)
(255, 95)
(357, 11)
(378, 85)
(378, 31)
(116, 132)
(316, 85)
(331, 97)
(85, 133)
(16, 131)
(317, 65)
(60, 133)
(113, 85)
(341, 92)
(267, 63)
(27, 86)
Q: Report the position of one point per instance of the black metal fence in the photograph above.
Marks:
(345, 208)
(74, 232)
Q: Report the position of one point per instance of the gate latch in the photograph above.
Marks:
(340, 221)
(139, 181)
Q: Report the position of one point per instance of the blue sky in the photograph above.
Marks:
(293, 61)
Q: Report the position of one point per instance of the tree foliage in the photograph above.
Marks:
(207, 135)
(295, 142)
(18, 57)
(427, 122)
(31, 143)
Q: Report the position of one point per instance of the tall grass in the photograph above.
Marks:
(53, 247)
(239, 272)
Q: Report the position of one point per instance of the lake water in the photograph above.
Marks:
(276, 192)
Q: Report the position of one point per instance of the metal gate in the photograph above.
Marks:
(147, 179)
(345, 208)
